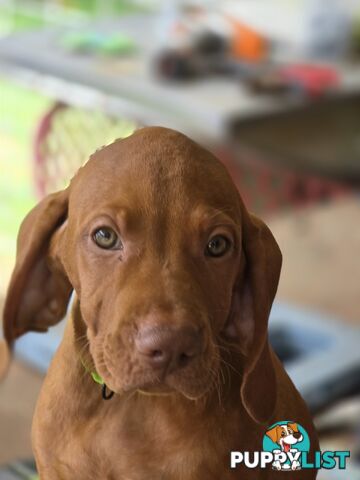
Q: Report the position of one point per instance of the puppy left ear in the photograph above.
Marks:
(254, 295)
(273, 434)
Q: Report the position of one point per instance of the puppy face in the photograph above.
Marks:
(153, 244)
(171, 271)
(285, 435)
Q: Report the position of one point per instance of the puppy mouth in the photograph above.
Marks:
(155, 390)
(190, 381)
(124, 373)
(171, 384)
(286, 447)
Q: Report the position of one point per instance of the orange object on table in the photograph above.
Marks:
(247, 44)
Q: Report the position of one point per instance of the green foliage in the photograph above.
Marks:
(25, 15)
(19, 114)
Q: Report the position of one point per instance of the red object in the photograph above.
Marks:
(314, 79)
(43, 131)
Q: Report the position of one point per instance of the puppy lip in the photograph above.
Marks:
(152, 381)
(157, 386)
(149, 388)
(155, 389)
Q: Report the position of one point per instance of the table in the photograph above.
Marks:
(209, 110)
(126, 86)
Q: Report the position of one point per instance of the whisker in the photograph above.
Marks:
(81, 337)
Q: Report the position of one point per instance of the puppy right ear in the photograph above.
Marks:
(253, 297)
(294, 426)
(39, 289)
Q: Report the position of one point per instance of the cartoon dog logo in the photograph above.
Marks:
(286, 435)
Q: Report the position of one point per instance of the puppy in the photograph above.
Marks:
(174, 281)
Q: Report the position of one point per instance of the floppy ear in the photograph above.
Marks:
(294, 426)
(39, 290)
(254, 295)
(273, 434)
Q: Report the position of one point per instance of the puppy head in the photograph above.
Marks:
(166, 263)
(285, 435)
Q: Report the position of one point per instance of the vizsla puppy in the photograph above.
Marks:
(174, 282)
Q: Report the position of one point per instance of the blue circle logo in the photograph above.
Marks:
(286, 440)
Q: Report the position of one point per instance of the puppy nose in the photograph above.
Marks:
(297, 435)
(168, 348)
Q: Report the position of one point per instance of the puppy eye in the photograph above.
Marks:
(105, 237)
(283, 434)
(217, 246)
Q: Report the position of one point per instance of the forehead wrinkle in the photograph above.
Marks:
(97, 187)
(122, 217)
(159, 216)
(87, 206)
(214, 216)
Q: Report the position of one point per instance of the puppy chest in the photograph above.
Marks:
(169, 451)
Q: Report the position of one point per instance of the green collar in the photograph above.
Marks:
(94, 375)
(97, 378)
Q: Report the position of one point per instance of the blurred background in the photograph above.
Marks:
(270, 86)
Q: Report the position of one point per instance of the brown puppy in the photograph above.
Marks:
(174, 282)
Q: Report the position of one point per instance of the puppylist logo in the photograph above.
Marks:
(286, 447)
